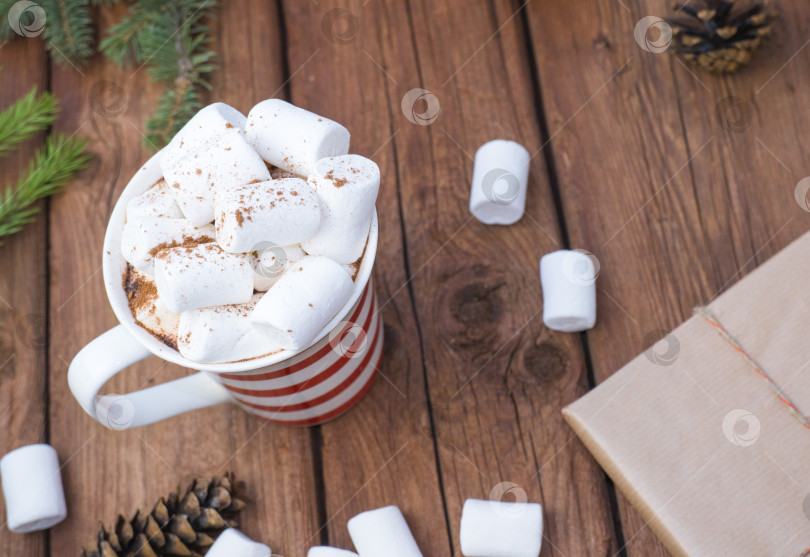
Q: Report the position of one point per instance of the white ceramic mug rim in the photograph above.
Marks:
(114, 266)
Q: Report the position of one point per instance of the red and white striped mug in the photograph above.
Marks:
(307, 387)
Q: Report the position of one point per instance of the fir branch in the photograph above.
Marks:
(176, 107)
(6, 32)
(25, 117)
(170, 38)
(69, 30)
(54, 164)
(122, 45)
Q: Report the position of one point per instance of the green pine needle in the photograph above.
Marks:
(122, 45)
(171, 40)
(21, 120)
(69, 30)
(167, 36)
(6, 32)
(54, 165)
(176, 107)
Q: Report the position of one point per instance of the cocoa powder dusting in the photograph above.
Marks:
(188, 242)
(169, 341)
(337, 182)
(141, 293)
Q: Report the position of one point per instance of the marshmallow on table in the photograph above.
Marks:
(347, 188)
(383, 533)
(272, 263)
(223, 162)
(233, 543)
(219, 334)
(324, 551)
(210, 122)
(32, 487)
(500, 529)
(205, 275)
(292, 138)
(568, 279)
(500, 175)
(142, 236)
(266, 214)
(302, 302)
(157, 201)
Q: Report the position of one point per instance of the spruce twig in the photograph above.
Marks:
(25, 117)
(54, 165)
(68, 29)
(171, 39)
(6, 32)
(122, 44)
(167, 36)
(70, 38)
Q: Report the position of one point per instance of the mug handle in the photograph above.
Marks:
(115, 350)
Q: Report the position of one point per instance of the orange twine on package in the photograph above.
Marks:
(710, 318)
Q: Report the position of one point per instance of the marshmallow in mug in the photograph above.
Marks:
(219, 334)
(210, 122)
(201, 276)
(275, 212)
(347, 188)
(383, 532)
(325, 551)
(224, 162)
(142, 235)
(272, 263)
(500, 177)
(233, 543)
(157, 201)
(151, 312)
(279, 173)
(352, 269)
(32, 488)
(568, 279)
(501, 529)
(292, 138)
(302, 302)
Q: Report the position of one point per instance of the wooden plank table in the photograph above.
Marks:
(678, 182)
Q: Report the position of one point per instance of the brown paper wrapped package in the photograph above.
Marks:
(698, 441)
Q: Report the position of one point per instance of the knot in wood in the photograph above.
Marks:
(543, 363)
(476, 304)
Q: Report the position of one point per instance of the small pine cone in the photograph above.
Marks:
(720, 35)
(183, 525)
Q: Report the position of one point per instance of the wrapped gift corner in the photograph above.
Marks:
(698, 432)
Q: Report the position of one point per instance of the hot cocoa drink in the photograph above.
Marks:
(250, 243)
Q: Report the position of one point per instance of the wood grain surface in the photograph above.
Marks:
(23, 296)
(678, 182)
(668, 183)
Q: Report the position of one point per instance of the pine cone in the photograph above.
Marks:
(720, 35)
(180, 526)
